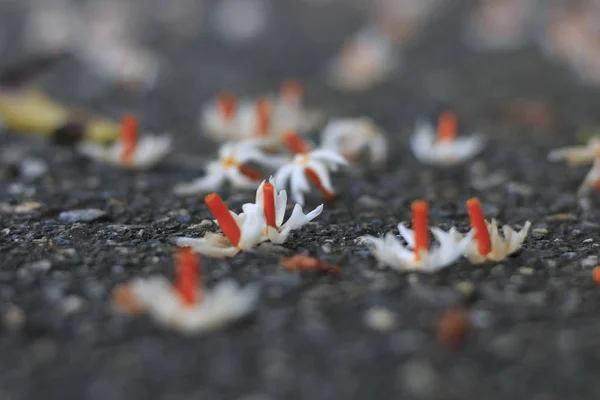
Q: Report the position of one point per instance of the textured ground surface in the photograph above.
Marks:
(535, 331)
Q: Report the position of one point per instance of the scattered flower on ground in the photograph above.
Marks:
(592, 179)
(576, 155)
(186, 306)
(353, 137)
(417, 255)
(443, 147)
(273, 205)
(313, 165)
(364, 60)
(487, 244)
(233, 167)
(130, 151)
(240, 232)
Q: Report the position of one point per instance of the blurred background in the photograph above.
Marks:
(164, 59)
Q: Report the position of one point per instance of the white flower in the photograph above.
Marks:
(219, 118)
(187, 307)
(273, 205)
(444, 148)
(130, 152)
(592, 179)
(488, 244)
(241, 232)
(289, 113)
(231, 167)
(314, 165)
(365, 59)
(352, 136)
(576, 155)
(417, 256)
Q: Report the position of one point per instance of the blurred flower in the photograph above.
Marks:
(576, 155)
(443, 147)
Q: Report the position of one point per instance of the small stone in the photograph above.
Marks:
(14, 318)
(589, 240)
(40, 266)
(369, 202)
(380, 319)
(526, 271)
(71, 304)
(23, 208)
(481, 318)
(87, 215)
(589, 262)
(33, 168)
(540, 231)
(326, 248)
(465, 288)
(418, 378)
(205, 223)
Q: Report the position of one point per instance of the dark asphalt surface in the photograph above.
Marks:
(535, 315)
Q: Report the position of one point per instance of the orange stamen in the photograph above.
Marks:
(420, 224)
(220, 211)
(187, 275)
(482, 235)
(314, 178)
(292, 91)
(447, 127)
(295, 143)
(263, 116)
(227, 104)
(269, 204)
(596, 274)
(251, 172)
(129, 132)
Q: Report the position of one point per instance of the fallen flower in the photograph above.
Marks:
(232, 166)
(488, 245)
(301, 262)
(443, 147)
(219, 118)
(576, 155)
(592, 179)
(418, 256)
(240, 232)
(351, 137)
(186, 306)
(314, 165)
(130, 152)
(273, 205)
(364, 60)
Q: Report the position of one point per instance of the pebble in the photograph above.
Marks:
(14, 318)
(418, 378)
(589, 262)
(33, 168)
(71, 304)
(526, 271)
(86, 215)
(380, 319)
(540, 231)
(465, 288)
(369, 202)
(22, 208)
(41, 266)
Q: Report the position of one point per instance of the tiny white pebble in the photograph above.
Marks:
(526, 271)
(589, 262)
(380, 319)
(542, 231)
(589, 240)
(14, 317)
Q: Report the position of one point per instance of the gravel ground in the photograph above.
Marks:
(534, 322)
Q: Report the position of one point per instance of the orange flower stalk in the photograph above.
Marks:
(314, 178)
(187, 266)
(301, 262)
(227, 104)
(295, 143)
(220, 211)
(482, 235)
(129, 134)
(269, 204)
(447, 127)
(263, 116)
(420, 210)
(292, 91)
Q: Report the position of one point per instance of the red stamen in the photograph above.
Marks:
(263, 116)
(482, 235)
(227, 104)
(129, 132)
(187, 270)
(292, 90)
(447, 127)
(314, 178)
(269, 204)
(220, 211)
(420, 224)
(251, 172)
(295, 143)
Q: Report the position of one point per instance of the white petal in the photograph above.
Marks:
(407, 234)
(204, 247)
